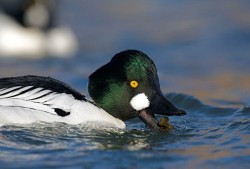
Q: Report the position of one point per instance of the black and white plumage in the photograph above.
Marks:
(29, 99)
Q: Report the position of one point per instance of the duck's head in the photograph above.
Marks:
(128, 87)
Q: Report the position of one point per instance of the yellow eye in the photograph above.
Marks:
(134, 84)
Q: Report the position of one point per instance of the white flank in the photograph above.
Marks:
(140, 102)
(39, 105)
(86, 112)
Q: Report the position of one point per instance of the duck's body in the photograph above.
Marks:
(125, 88)
(30, 99)
(17, 41)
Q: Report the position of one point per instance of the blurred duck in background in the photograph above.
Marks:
(28, 30)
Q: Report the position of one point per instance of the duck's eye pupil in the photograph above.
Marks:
(134, 84)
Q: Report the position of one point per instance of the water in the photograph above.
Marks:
(201, 50)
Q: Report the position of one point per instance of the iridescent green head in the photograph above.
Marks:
(129, 85)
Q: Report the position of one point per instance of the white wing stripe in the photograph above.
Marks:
(36, 93)
(28, 93)
(46, 99)
(6, 90)
(16, 92)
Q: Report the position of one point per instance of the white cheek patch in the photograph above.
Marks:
(140, 102)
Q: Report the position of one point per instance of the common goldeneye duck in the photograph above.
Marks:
(126, 87)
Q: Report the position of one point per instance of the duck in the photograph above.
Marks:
(28, 31)
(126, 87)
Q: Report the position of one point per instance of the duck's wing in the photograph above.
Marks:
(39, 93)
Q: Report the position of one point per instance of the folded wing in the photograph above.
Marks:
(38, 93)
